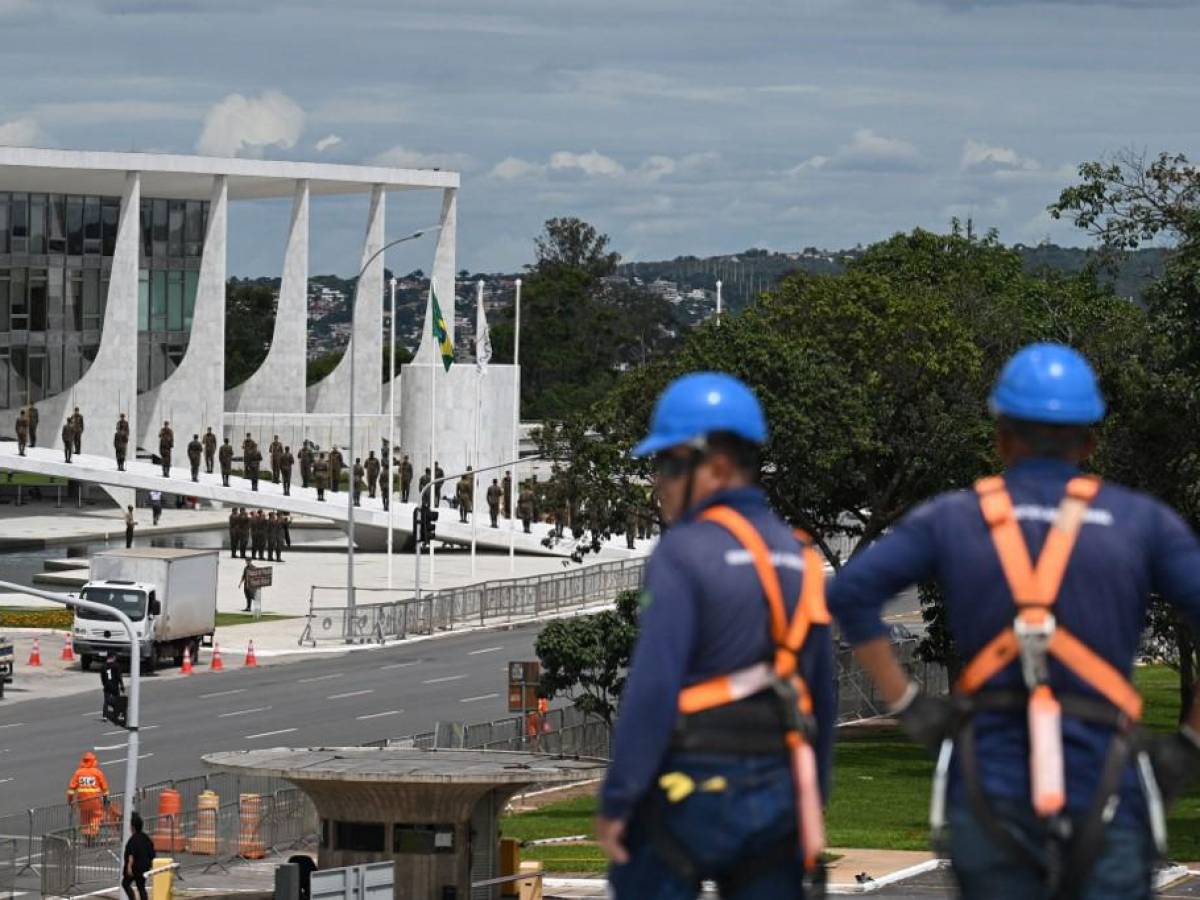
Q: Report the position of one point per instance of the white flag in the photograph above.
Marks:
(483, 338)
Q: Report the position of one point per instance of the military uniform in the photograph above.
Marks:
(274, 539)
(359, 485)
(244, 523)
(258, 535)
(210, 449)
(251, 459)
(225, 458)
(233, 532)
(336, 464)
(424, 483)
(286, 461)
(166, 443)
(463, 494)
(320, 475)
(68, 440)
(22, 432)
(372, 466)
(76, 423)
(494, 493)
(275, 454)
(385, 483)
(194, 451)
(306, 460)
(32, 416)
(438, 475)
(121, 442)
(525, 507)
(284, 521)
(406, 476)
(506, 484)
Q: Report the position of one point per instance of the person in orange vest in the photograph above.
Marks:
(723, 743)
(88, 793)
(1047, 785)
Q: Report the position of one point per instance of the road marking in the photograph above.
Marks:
(484, 650)
(390, 712)
(223, 693)
(350, 694)
(5, 780)
(263, 734)
(243, 712)
(440, 680)
(400, 665)
(111, 733)
(117, 762)
(480, 697)
(17, 724)
(320, 678)
(111, 746)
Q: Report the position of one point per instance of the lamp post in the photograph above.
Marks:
(350, 349)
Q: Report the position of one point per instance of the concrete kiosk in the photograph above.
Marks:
(435, 813)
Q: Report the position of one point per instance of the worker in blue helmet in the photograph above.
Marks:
(1044, 780)
(722, 748)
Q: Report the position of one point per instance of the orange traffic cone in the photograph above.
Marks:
(68, 654)
(215, 663)
(251, 659)
(186, 669)
(35, 655)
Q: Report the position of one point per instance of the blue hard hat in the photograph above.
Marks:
(1048, 383)
(699, 404)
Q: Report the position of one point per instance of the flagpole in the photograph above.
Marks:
(475, 445)
(434, 489)
(718, 302)
(391, 423)
(516, 480)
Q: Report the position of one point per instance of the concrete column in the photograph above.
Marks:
(332, 394)
(193, 396)
(277, 386)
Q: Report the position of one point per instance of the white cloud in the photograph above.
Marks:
(511, 169)
(866, 152)
(810, 164)
(980, 157)
(407, 158)
(21, 133)
(590, 163)
(327, 143)
(238, 124)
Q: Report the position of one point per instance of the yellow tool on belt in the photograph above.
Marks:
(679, 786)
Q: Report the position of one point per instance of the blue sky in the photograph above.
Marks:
(677, 127)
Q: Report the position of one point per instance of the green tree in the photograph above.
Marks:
(319, 367)
(585, 658)
(249, 326)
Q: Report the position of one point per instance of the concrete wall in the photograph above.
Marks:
(278, 385)
(193, 396)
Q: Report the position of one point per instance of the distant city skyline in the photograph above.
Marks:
(677, 128)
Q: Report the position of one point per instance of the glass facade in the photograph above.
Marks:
(55, 257)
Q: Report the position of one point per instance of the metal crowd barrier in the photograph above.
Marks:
(501, 600)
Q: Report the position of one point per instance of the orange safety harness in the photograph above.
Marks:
(1034, 637)
(782, 675)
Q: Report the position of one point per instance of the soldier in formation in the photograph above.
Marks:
(225, 458)
(244, 524)
(22, 432)
(385, 482)
(321, 476)
(439, 479)
(76, 423)
(233, 532)
(507, 485)
(464, 494)
(406, 476)
(357, 476)
(194, 451)
(285, 522)
(166, 442)
(210, 449)
(121, 441)
(494, 493)
(305, 456)
(258, 535)
(372, 467)
(422, 485)
(336, 463)
(525, 506)
(251, 460)
(274, 532)
(68, 440)
(286, 461)
(275, 454)
(31, 414)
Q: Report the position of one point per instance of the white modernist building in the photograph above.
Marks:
(112, 299)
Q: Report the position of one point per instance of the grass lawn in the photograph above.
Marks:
(241, 618)
(880, 795)
(26, 617)
(30, 479)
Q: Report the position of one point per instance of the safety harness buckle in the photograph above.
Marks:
(794, 718)
(1033, 639)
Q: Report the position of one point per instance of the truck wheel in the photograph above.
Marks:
(85, 661)
(151, 663)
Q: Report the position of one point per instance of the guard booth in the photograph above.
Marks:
(433, 813)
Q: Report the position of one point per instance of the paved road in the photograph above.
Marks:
(345, 699)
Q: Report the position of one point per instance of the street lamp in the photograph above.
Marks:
(135, 677)
(350, 349)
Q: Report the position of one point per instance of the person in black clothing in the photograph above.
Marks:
(114, 688)
(139, 857)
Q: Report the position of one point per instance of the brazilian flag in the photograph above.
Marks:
(440, 334)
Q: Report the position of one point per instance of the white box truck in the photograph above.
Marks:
(170, 594)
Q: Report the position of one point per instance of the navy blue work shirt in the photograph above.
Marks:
(705, 615)
(1129, 547)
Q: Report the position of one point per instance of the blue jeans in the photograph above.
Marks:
(1122, 869)
(750, 817)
